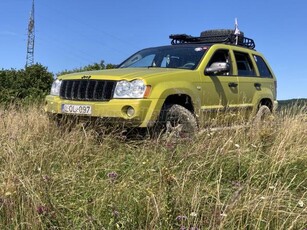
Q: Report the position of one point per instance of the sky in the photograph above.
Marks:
(71, 34)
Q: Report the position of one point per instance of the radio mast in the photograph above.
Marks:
(31, 38)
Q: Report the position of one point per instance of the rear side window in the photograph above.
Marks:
(262, 67)
(244, 64)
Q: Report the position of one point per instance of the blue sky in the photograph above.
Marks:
(71, 34)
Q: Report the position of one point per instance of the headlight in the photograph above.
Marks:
(55, 88)
(130, 89)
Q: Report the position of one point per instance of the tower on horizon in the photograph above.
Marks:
(31, 38)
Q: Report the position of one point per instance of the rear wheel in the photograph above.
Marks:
(263, 115)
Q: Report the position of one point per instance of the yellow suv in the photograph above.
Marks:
(172, 87)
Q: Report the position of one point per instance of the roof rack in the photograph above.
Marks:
(226, 39)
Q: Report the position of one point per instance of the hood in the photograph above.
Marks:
(123, 74)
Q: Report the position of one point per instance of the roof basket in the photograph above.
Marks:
(226, 39)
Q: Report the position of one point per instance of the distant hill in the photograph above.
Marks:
(300, 102)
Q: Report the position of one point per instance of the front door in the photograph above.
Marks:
(220, 91)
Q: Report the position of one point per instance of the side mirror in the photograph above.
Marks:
(218, 68)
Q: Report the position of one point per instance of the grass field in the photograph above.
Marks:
(252, 178)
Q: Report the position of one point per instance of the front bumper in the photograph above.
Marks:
(146, 111)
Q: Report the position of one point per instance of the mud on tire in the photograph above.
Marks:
(263, 115)
(176, 121)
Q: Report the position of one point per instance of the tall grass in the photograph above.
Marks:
(252, 178)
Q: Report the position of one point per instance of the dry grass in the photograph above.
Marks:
(228, 179)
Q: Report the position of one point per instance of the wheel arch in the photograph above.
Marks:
(268, 102)
(180, 99)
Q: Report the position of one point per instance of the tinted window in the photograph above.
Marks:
(262, 67)
(244, 64)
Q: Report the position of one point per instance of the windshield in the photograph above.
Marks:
(180, 57)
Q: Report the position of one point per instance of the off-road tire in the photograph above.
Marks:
(263, 115)
(176, 121)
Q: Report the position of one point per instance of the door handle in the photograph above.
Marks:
(232, 84)
(257, 86)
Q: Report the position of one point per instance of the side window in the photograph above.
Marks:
(221, 56)
(262, 67)
(244, 64)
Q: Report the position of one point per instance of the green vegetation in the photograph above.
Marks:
(95, 66)
(25, 85)
(229, 179)
(292, 103)
(32, 84)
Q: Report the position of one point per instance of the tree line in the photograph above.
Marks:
(32, 84)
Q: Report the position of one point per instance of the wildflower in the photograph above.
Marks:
(236, 183)
(41, 209)
(300, 203)
(211, 134)
(46, 178)
(237, 146)
(194, 214)
(223, 214)
(112, 176)
(193, 228)
(181, 218)
(115, 214)
(170, 146)
(8, 194)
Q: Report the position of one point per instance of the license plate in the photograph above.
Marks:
(77, 109)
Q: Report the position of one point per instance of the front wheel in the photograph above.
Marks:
(176, 121)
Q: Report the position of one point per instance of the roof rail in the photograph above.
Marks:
(233, 39)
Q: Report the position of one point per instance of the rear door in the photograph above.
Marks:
(249, 82)
(268, 83)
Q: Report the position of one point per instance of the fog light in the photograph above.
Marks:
(130, 111)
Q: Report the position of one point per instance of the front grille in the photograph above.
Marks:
(87, 90)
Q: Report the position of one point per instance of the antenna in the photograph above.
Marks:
(31, 38)
(237, 32)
